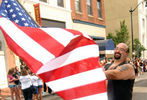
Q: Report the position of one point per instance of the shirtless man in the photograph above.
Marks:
(120, 75)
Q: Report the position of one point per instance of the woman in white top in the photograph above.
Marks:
(26, 84)
(34, 80)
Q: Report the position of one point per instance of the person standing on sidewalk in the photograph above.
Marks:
(11, 83)
(120, 75)
(47, 88)
(34, 80)
(26, 84)
(17, 83)
(40, 85)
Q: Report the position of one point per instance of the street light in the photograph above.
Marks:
(131, 12)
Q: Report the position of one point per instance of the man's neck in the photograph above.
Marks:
(117, 62)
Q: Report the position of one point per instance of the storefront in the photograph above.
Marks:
(52, 23)
(106, 48)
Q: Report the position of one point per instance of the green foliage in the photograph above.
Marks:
(138, 47)
(122, 35)
(111, 36)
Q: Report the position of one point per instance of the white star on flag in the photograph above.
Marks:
(12, 10)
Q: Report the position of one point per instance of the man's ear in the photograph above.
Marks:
(127, 54)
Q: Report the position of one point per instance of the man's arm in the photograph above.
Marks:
(122, 72)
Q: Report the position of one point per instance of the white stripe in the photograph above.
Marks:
(77, 80)
(25, 42)
(71, 57)
(101, 96)
(60, 35)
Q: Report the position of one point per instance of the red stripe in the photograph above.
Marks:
(44, 39)
(77, 42)
(71, 69)
(74, 32)
(32, 63)
(82, 91)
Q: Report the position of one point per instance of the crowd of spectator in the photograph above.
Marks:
(25, 85)
(140, 65)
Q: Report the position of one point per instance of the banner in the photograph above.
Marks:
(37, 13)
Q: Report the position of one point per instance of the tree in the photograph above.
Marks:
(122, 35)
(138, 47)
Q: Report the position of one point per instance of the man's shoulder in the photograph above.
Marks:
(127, 64)
(107, 66)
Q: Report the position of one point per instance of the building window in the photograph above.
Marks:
(143, 23)
(78, 5)
(99, 8)
(89, 7)
(60, 3)
(43, 0)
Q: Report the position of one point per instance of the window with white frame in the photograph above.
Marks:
(60, 3)
(78, 5)
(89, 7)
(99, 8)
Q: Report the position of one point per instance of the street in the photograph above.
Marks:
(52, 97)
(139, 90)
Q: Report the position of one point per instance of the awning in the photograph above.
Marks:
(106, 46)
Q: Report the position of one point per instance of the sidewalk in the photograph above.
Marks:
(4, 93)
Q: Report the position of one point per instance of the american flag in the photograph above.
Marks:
(15, 12)
(67, 60)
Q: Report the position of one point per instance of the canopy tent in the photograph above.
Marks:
(106, 46)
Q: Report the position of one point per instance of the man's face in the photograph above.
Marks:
(120, 52)
(117, 55)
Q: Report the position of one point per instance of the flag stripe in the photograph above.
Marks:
(84, 91)
(34, 49)
(22, 54)
(60, 35)
(101, 96)
(44, 39)
(72, 56)
(75, 32)
(77, 80)
(70, 69)
(78, 42)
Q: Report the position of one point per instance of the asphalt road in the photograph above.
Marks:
(51, 97)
